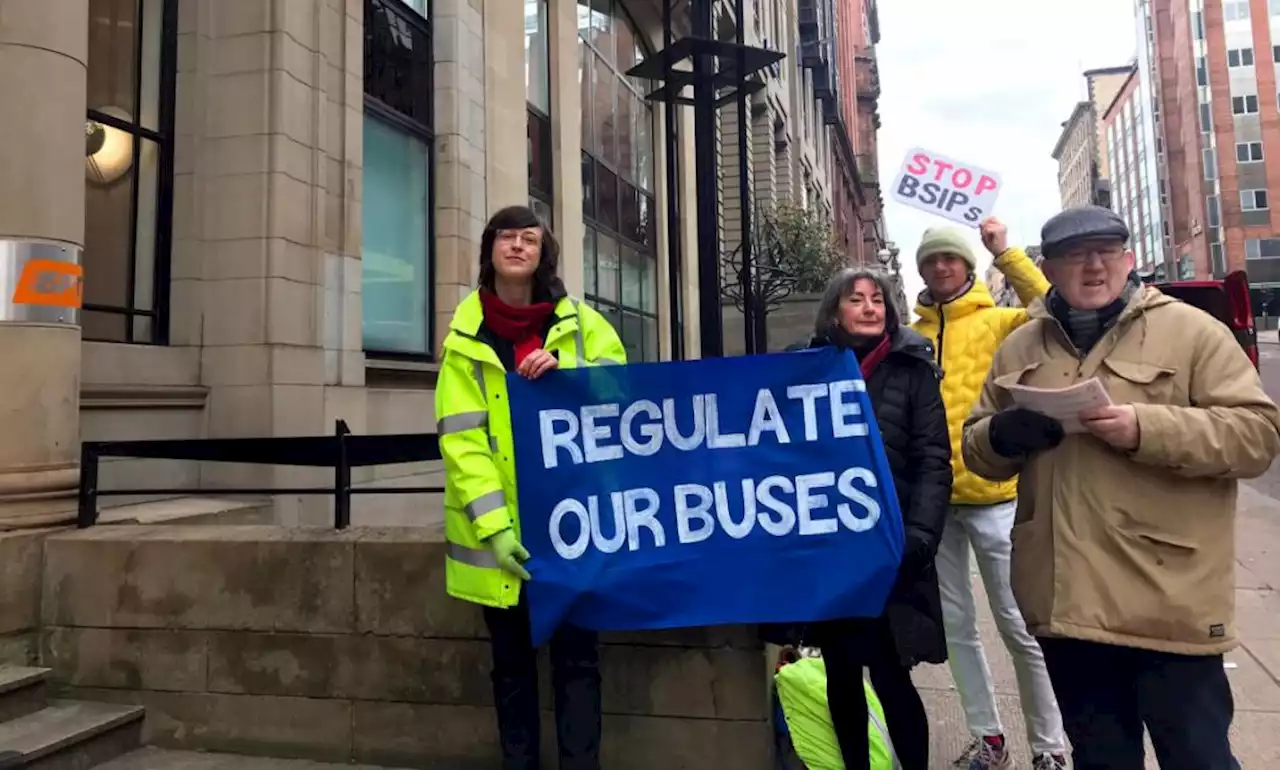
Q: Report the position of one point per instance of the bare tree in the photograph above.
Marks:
(792, 250)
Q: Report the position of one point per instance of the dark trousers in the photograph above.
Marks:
(1108, 693)
(847, 647)
(575, 678)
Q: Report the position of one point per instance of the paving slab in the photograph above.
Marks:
(164, 759)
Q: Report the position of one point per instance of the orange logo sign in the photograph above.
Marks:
(52, 283)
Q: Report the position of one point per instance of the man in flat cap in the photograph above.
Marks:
(1124, 540)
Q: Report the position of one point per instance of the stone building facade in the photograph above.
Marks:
(277, 207)
(1076, 153)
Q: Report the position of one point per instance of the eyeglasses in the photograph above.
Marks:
(529, 237)
(1079, 255)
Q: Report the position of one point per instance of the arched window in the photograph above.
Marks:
(620, 240)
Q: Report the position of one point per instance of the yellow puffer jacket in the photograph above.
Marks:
(966, 332)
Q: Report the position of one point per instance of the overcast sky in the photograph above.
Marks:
(989, 82)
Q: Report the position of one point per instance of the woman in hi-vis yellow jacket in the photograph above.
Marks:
(958, 314)
(521, 320)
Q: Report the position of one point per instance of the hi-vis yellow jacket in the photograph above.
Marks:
(965, 333)
(473, 420)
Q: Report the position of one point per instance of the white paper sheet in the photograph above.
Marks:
(1063, 404)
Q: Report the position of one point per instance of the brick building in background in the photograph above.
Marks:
(856, 195)
(1212, 68)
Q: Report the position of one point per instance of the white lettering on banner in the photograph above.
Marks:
(634, 510)
(629, 517)
(589, 435)
(960, 192)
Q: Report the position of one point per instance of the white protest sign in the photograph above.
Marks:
(958, 191)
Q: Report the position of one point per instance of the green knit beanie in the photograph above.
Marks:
(946, 240)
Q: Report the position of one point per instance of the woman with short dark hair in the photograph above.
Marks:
(520, 319)
(857, 314)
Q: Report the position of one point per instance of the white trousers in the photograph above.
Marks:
(985, 530)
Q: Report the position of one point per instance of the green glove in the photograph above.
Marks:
(509, 553)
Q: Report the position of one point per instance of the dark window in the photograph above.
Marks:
(620, 247)
(537, 69)
(1197, 25)
(1249, 152)
(541, 177)
(1202, 72)
(1239, 57)
(129, 169)
(397, 233)
(1253, 200)
(1262, 248)
(1244, 105)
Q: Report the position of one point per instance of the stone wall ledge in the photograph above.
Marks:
(343, 646)
(377, 580)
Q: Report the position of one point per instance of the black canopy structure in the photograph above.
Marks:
(717, 72)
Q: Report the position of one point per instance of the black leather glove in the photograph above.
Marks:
(917, 555)
(1018, 432)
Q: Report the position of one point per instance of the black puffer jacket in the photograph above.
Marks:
(905, 393)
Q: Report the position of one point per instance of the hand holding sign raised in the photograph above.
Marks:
(995, 236)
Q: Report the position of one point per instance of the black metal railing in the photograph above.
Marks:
(342, 451)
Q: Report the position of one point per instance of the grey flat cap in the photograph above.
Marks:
(1080, 222)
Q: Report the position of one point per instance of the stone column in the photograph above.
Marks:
(506, 118)
(43, 48)
(566, 139)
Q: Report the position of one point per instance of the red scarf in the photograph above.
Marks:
(521, 326)
(872, 358)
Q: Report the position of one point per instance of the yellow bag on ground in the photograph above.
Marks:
(802, 691)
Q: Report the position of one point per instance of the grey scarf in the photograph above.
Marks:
(1085, 327)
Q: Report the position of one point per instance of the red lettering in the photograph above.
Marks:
(943, 167)
(984, 184)
(967, 175)
(919, 164)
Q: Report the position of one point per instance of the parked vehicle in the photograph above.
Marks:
(1227, 300)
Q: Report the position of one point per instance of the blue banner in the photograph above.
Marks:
(733, 490)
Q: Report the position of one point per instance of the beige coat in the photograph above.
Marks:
(1133, 548)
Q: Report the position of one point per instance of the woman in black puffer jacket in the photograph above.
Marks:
(857, 313)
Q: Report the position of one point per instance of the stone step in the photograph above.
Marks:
(23, 690)
(193, 509)
(67, 735)
(164, 759)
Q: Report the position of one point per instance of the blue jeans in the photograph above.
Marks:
(1109, 693)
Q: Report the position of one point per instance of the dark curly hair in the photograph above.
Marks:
(547, 286)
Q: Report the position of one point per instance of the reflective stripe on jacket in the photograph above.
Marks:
(802, 691)
(965, 333)
(473, 421)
